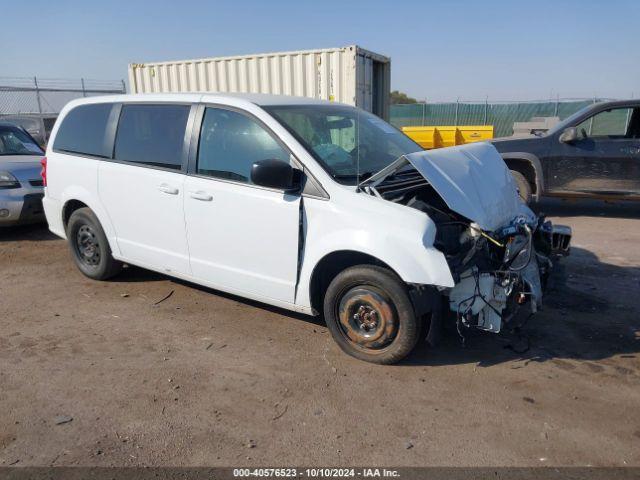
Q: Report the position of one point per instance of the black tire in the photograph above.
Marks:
(524, 187)
(89, 246)
(370, 315)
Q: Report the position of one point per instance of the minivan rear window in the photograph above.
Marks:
(152, 135)
(83, 130)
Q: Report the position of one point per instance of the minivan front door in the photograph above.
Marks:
(242, 238)
(143, 188)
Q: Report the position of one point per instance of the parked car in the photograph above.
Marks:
(593, 153)
(311, 206)
(21, 189)
(37, 125)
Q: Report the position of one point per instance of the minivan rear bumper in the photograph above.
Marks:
(53, 212)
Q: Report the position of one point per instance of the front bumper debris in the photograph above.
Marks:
(492, 294)
(560, 239)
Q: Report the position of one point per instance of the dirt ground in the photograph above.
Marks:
(95, 373)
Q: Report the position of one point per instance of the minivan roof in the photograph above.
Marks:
(251, 98)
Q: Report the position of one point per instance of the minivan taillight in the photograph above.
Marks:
(43, 172)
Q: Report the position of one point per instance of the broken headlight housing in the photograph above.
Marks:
(518, 249)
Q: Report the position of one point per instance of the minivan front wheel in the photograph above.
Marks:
(89, 246)
(370, 315)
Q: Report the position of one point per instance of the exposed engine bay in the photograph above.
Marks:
(500, 272)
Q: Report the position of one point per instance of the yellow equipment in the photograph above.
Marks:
(448, 136)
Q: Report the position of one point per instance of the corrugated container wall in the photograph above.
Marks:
(349, 75)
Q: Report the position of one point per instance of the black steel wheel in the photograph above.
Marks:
(89, 246)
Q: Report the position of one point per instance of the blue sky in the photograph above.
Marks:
(440, 50)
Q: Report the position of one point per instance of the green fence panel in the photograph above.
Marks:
(500, 115)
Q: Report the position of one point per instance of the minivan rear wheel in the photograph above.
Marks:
(370, 315)
(89, 246)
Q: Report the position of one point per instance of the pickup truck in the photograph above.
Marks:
(594, 153)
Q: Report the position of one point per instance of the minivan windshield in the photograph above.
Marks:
(14, 141)
(348, 142)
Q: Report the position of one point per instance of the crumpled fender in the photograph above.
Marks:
(404, 242)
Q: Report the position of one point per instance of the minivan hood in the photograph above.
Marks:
(472, 179)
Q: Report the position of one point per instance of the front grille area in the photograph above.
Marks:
(401, 182)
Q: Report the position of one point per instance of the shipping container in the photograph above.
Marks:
(350, 75)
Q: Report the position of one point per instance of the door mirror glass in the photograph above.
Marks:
(569, 135)
(274, 173)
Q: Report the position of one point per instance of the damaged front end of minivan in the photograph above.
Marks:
(499, 252)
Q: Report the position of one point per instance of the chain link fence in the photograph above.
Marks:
(501, 115)
(34, 103)
(47, 96)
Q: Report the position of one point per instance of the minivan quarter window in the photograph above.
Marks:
(152, 135)
(83, 130)
(230, 143)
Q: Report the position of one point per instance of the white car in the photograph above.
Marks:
(307, 205)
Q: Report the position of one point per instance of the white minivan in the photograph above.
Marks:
(307, 205)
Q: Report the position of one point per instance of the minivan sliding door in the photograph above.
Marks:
(142, 187)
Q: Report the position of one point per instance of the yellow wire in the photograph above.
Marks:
(491, 239)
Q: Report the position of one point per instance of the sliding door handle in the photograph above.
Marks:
(200, 195)
(164, 188)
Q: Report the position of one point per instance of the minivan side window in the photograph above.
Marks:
(231, 142)
(83, 131)
(152, 135)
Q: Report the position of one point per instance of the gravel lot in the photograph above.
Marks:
(97, 374)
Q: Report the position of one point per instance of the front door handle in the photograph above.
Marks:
(200, 195)
(164, 188)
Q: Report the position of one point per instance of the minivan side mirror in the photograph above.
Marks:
(569, 135)
(275, 174)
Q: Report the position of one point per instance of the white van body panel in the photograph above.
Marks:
(73, 177)
(243, 237)
(396, 235)
(145, 206)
